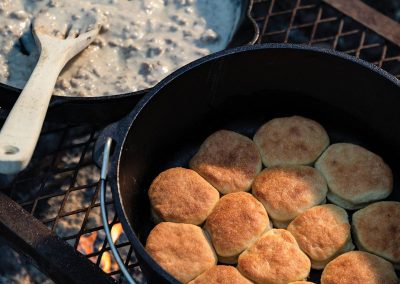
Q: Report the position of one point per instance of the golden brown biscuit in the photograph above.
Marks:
(275, 258)
(358, 267)
(181, 249)
(227, 160)
(236, 222)
(355, 175)
(182, 196)
(287, 191)
(322, 232)
(221, 274)
(302, 282)
(377, 230)
(291, 140)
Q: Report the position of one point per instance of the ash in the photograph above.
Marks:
(15, 268)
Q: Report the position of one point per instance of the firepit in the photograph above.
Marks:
(60, 228)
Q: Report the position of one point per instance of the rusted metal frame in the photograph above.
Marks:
(293, 15)
(339, 34)
(299, 27)
(305, 7)
(315, 25)
(266, 20)
(369, 17)
(358, 50)
(361, 45)
(383, 56)
(49, 252)
(397, 57)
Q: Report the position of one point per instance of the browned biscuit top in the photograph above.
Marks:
(181, 249)
(291, 141)
(236, 222)
(302, 282)
(227, 160)
(357, 267)
(354, 173)
(377, 229)
(183, 196)
(221, 274)
(321, 231)
(287, 191)
(274, 258)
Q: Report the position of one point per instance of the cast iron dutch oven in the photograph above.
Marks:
(240, 89)
(105, 109)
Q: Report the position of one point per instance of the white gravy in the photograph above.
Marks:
(141, 41)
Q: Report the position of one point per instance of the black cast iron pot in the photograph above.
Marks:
(240, 89)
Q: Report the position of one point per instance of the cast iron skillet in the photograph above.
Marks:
(240, 89)
(106, 109)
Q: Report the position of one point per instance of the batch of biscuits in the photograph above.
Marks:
(229, 220)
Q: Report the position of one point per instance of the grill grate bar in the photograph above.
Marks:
(315, 25)
(75, 212)
(85, 220)
(293, 13)
(73, 182)
(47, 196)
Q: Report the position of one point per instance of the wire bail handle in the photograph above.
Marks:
(103, 177)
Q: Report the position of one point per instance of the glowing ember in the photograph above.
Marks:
(86, 243)
(87, 246)
(105, 263)
(116, 232)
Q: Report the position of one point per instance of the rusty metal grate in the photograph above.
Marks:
(315, 23)
(60, 188)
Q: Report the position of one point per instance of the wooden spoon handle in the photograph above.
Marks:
(21, 131)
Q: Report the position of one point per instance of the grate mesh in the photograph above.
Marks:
(315, 23)
(60, 187)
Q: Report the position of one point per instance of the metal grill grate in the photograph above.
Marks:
(313, 22)
(60, 187)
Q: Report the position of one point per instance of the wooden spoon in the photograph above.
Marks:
(20, 133)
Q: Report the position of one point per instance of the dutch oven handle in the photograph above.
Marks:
(112, 132)
(103, 177)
